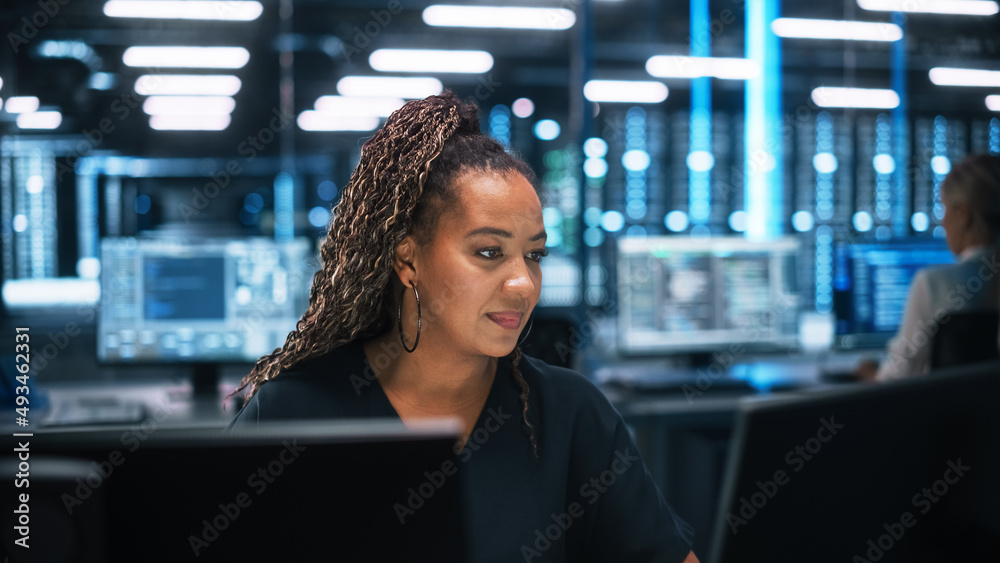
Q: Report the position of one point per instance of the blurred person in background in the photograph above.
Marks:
(970, 194)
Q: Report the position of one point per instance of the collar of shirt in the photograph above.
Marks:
(973, 251)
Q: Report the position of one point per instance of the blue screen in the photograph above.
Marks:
(872, 283)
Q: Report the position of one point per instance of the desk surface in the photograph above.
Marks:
(638, 388)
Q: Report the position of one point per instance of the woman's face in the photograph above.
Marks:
(479, 275)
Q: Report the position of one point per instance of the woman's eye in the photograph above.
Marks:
(489, 252)
(537, 255)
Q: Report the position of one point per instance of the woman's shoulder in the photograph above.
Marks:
(564, 388)
(321, 387)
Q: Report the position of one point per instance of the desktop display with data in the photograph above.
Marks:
(199, 300)
(871, 285)
(701, 294)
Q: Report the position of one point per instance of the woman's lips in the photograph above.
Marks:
(508, 320)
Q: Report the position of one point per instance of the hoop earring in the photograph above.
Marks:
(399, 319)
(524, 337)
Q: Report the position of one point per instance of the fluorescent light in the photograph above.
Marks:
(189, 122)
(442, 15)
(633, 91)
(958, 7)
(189, 105)
(993, 102)
(430, 60)
(231, 10)
(964, 77)
(48, 292)
(1, 82)
(186, 57)
(346, 105)
(829, 97)
(311, 120)
(22, 104)
(389, 86)
(39, 119)
(836, 29)
(673, 66)
(187, 85)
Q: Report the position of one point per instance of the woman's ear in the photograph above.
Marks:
(963, 214)
(405, 261)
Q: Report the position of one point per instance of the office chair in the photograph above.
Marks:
(966, 338)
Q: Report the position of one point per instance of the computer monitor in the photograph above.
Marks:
(871, 284)
(905, 471)
(697, 295)
(336, 490)
(200, 301)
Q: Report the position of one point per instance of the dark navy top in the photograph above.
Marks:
(586, 497)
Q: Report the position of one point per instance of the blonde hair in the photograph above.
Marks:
(976, 183)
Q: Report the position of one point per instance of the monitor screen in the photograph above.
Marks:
(871, 284)
(907, 471)
(290, 491)
(206, 300)
(680, 294)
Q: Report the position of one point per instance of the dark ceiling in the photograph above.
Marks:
(329, 41)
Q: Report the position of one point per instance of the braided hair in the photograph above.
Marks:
(402, 184)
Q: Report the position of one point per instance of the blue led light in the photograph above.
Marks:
(825, 163)
(592, 217)
(593, 236)
(995, 136)
(326, 190)
(862, 221)
(318, 217)
(552, 217)
(553, 237)
(920, 221)
(142, 204)
(700, 161)
(802, 221)
(636, 231)
(738, 221)
(547, 130)
(284, 207)
(253, 202)
(595, 147)
(595, 167)
(676, 221)
(500, 124)
(612, 221)
(884, 163)
(635, 160)
(941, 165)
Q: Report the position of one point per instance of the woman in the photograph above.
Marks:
(971, 197)
(430, 273)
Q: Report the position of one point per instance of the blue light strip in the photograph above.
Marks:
(635, 179)
(500, 125)
(883, 177)
(940, 149)
(764, 189)
(824, 211)
(901, 209)
(995, 136)
(700, 131)
(86, 216)
(284, 207)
